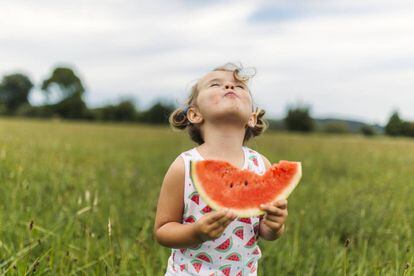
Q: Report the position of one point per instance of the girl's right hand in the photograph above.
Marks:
(213, 224)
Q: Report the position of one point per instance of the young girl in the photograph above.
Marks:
(220, 118)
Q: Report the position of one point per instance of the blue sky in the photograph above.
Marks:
(347, 59)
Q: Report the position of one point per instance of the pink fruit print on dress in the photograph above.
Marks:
(256, 251)
(182, 250)
(250, 264)
(238, 232)
(225, 269)
(183, 267)
(195, 197)
(254, 159)
(197, 265)
(250, 243)
(204, 257)
(206, 210)
(245, 220)
(225, 246)
(190, 219)
(233, 257)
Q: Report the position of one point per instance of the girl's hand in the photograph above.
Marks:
(213, 224)
(276, 214)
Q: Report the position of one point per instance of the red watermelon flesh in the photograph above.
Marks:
(222, 185)
(204, 256)
(233, 257)
(225, 246)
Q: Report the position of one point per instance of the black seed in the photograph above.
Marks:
(231, 185)
(245, 183)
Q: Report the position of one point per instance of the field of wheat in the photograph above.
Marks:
(79, 198)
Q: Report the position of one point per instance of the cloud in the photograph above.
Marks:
(345, 58)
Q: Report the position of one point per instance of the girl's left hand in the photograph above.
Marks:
(276, 214)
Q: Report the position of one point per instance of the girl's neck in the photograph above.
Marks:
(223, 141)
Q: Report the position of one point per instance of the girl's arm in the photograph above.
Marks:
(168, 229)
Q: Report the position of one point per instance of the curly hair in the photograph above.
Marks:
(179, 121)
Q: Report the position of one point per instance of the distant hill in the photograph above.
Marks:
(351, 125)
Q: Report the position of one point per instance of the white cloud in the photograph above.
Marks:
(345, 58)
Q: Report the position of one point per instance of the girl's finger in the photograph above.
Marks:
(273, 210)
(221, 221)
(273, 218)
(214, 216)
(272, 225)
(282, 204)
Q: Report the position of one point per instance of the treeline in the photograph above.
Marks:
(66, 86)
(299, 119)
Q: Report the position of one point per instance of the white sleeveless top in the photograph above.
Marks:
(236, 251)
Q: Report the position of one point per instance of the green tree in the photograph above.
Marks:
(156, 114)
(367, 130)
(299, 119)
(14, 92)
(124, 111)
(68, 86)
(64, 82)
(395, 125)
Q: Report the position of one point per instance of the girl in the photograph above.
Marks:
(220, 118)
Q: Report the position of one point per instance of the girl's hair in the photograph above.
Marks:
(178, 118)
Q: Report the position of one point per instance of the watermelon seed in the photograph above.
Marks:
(231, 185)
(245, 183)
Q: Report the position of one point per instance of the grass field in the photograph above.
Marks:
(62, 182)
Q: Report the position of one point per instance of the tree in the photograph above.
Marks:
(14, 92)
(157, 114)
(67, 85)
(124, 111)
(395, 125)
(299, 119)
(64, 82)
(367, 130)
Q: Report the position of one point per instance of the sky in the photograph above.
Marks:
(345, 59)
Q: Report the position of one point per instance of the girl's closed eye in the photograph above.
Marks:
(214, 84)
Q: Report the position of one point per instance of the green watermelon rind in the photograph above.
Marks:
(204, 254)
(233, 253)
(228, 247)
(237, 229)
(248, 212)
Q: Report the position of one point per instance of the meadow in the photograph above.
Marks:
(79, 198)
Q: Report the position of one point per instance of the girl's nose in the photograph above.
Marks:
(229, 86)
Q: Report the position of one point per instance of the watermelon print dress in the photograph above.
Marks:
(236, 251)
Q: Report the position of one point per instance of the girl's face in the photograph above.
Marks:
(222, 97)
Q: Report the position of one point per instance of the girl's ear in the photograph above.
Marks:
(194, 116)
(252, 120)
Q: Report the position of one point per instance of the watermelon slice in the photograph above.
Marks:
(234, 257)
(204, 256)
(222, 185)
(225, 246)
(238, 231)
(197, 265)
(225, 269)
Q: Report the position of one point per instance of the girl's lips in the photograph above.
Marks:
(231, 93)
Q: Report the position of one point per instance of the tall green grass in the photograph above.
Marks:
(62, 184)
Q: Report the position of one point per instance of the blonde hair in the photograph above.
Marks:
(179, 121)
